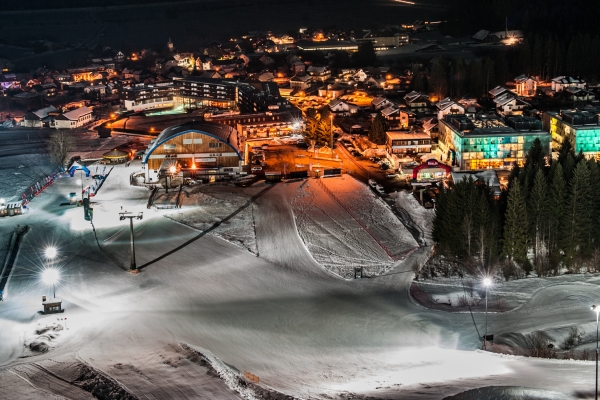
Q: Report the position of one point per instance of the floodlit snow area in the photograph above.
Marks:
(415, 217)
(204, 206)
(344, 225)
(202, 311)
(502, 295)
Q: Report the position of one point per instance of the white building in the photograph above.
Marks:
(447, 106)
(73, 119)
(561, 83)
(525, 85)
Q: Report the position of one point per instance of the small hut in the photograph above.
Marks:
(115, 156)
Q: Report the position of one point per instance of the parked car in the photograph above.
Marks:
(391, 175)
(372, 183)
(356, 153)
(380, 189)
(256, 169)
(385, 166)
(375, 159)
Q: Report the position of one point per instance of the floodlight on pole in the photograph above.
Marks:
(50, 276)
(487, 282)
(123, 216)
(596, 309)
(50, 252)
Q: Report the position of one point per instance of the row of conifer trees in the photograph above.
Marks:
(546, 219)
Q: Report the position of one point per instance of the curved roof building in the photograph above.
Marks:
(194, 149)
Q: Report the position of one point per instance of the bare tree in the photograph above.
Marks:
(59, 146)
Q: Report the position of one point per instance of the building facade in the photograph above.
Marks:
(580, 127)
(147, 97)
(203, 150)
(488, 142)
(74, 118)
(198, 92)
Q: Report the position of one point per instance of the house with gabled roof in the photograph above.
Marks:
(417, 102)
(395, 117)
(526, 86)
(38, 118)
(379, 103)
(300, 81)
(341, 108)
(561, 83)
(448, 106)
(74, 118)
(508, 104)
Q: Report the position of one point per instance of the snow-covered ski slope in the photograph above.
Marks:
(280, 316)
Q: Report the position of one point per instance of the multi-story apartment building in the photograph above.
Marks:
(197, 92)
(581, 127)
(488, 142)
(146, 97)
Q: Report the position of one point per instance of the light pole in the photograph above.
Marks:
(596, 309)
(486, 282)
(50, 277)
(172, 171)
(122, 216)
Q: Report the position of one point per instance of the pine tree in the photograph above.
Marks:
(377, 130)
(515, 227)
(483, 221)
(578, 227)
(438, 80)
(556, 209)
(537, 209)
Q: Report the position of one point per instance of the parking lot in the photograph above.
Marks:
(290, 158)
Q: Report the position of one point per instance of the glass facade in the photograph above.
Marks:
(586, 137)
(480, 151)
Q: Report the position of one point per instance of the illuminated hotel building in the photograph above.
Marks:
(488, 142)
(197, 92)
(581, 127)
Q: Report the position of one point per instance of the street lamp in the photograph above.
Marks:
(596, 309)
(50, 276)
(172, 171)
(122, 216)
(50, 252)
(487, 282)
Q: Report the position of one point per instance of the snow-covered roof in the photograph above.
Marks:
(566, 80)
(43, 112)
(223, 133)
(481, 35)
(77, 113)
(497, 91)
(386, 112)
(489, 177)
(378, 100)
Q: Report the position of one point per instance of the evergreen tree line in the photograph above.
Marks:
(543, 222)
(549, 57)
(458, 78)
(544, 17)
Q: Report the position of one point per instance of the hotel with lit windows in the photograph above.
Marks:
(488, 141)
(579, 126)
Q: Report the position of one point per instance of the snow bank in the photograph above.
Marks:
(508, 393)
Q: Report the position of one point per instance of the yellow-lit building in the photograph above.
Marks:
(202, 150)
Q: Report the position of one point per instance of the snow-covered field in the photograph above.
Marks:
(205, 206)
(344, 225)
(280, 316)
